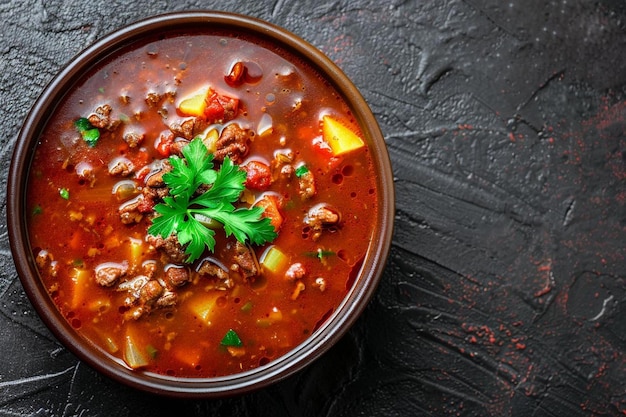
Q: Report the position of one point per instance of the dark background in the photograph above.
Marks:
(505, 291)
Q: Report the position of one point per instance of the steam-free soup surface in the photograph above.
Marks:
(101, 168)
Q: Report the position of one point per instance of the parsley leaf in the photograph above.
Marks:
(181, 212)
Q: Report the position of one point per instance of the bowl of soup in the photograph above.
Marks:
(200, 204)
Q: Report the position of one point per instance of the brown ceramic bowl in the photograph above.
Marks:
(324, 336)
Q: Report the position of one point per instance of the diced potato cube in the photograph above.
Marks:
(204, 308)
(136, 252)
(339, 137)
(133, 356)
(210, 140)
(274, 260)
(195, 104)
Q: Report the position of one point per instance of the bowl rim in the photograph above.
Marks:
(300, 356)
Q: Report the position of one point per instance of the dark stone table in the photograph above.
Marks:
(505, 290)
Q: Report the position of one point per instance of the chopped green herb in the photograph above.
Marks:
(301, 170)
(89, 133)
(231, 339)
(152, 351)
(82, 124)
(78, 262)
(64, 193)
(101, 90)
(183, 212)
(247, 307)
(37, 210)
(321, 254)
(91, 136)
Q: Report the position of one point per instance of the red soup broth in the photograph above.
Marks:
(198, 323)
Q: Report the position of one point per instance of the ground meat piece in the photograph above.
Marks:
(213, 270)
(46, 263)
(133, 139)
(154, 194)
(155, 178)
(231, 106)
(149, 268)
(167, 299)
(109, 273)
(133, 287)
(153, 99)
(295, 271)
(282, 164)
(175, 276)
(170, 247)
(189, 128)
(287, 171)
(234, 142)
(85, 172)
(243, 259)
(129, 212)
(306, 185)
(320, 283)
(176, 148)
(121, 166)
(150, 292)
(43, 259)
(101, 118)
(321, 217)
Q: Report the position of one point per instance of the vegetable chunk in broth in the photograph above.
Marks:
(199, 204)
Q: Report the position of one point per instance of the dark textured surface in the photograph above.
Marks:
(505, 291)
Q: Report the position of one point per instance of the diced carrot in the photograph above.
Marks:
(75, 241)
(270, 204)
(188, 355)
(80, 278)
(236, 351)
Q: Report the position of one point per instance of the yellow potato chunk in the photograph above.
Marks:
(195, 104)
(339, 137)
(274, 260)
(205, 308)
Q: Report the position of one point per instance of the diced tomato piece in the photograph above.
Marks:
(258, 175)
(214, 111)
(142, 172)
(322, 147)
(163, 143)
(270, 204)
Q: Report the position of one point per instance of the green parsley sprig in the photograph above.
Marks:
(185, 212)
